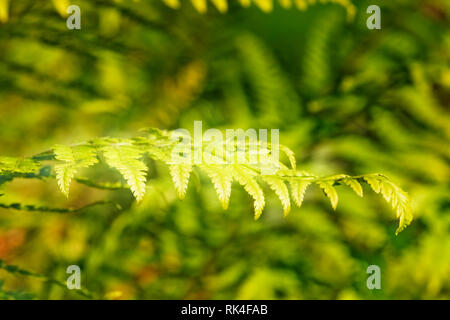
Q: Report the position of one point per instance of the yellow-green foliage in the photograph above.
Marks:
(126, 155)
(265, 5)
(9, 165)
(345, 98)
(72, 159)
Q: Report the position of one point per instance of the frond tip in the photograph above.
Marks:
(221, 179)
(279, 187)
(180, 175)
(298, 190)
(395, 196)
(330, 191)
(246, 178)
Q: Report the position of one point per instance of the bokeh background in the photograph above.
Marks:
(346, 99)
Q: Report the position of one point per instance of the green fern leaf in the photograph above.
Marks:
(180, 175)
(355, 185)
(11, 165)
(64, 176)
(126, 159)
(298, 190)
(373, 183)
(404, 213)
(386, 190)
(125, 155)
(330, 191)
(222, 179)
(245, 177)
(264, 5)
(395, 196)
(281, 190)
(399, 201)
(73, 158)
(291, 156)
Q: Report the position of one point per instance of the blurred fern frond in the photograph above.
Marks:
(265, 5)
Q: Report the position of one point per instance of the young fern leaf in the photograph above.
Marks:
(9, 165)
(64, 175)
(126, 159)
(245, 177)
(279, 187)
(404, 212)
(73, 159)
(291, 156)
(355, 185)
(373, 183)
(387, 190)
(222, 179)
(330, 191)
(393, 195)
(180, 175)
(125, 155)
(298, 190)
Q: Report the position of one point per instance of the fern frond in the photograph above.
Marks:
(64, 176)
(222, 179)
(355, 185)
(73, 158)
(279, 187)
(273, 91)
(393, 195)
(291, 156)
(298, 190)
(180, 175)
(126, 155)
(330, 191)
(9, 165)
(373, 183)
(127, 160)
(246, 178)
(264, 5)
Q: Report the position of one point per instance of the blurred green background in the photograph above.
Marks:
(346, 99)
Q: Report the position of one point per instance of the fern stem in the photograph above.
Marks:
(32, 208)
